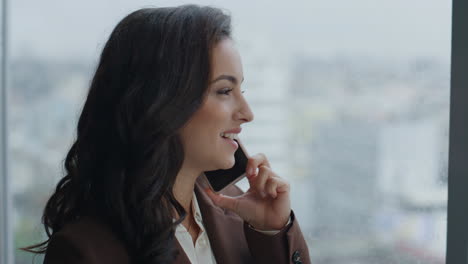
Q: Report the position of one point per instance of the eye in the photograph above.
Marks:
(227, 91)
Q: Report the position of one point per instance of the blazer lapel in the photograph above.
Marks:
(182, 258)
(212, 215)
(224, 229)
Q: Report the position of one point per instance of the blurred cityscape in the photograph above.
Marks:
(366, 151)
(362, 141)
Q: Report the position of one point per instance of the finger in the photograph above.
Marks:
(256, 161)
(283, 186)
(223, 201)
(258, 182)
(270, 187)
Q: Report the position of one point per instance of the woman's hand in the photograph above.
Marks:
(266, 205)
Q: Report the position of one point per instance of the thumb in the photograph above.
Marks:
(222, 200)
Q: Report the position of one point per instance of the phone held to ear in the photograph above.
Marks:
(220, 179)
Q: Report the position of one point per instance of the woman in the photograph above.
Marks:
(166, 87)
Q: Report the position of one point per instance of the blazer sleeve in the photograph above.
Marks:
(62, 249)
(288, 246)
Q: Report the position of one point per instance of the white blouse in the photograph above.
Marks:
(201, 252)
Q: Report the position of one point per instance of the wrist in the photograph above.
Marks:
(271, 229)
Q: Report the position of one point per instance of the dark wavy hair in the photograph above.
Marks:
(152, 76)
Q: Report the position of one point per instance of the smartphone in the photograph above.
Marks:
(220, 179)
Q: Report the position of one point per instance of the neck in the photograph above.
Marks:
(184, 187)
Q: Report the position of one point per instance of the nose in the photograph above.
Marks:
(245, 113)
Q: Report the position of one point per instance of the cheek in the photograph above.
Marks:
(215, 115)
(208, 122)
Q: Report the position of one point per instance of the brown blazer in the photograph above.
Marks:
(90, 241)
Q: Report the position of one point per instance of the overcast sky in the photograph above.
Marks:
(63, 29)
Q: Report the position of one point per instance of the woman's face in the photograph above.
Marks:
(224, 109)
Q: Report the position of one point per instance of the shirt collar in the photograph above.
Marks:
(196, 211)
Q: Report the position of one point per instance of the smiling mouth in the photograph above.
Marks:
(232, 142)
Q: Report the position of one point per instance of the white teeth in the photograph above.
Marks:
(228, 135)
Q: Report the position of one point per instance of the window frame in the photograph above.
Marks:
(457, 213)
(6, 241)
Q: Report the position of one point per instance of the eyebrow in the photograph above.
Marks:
(227, 77)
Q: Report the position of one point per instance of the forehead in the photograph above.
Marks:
(226, 60)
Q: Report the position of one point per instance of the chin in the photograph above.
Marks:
(228, 163)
